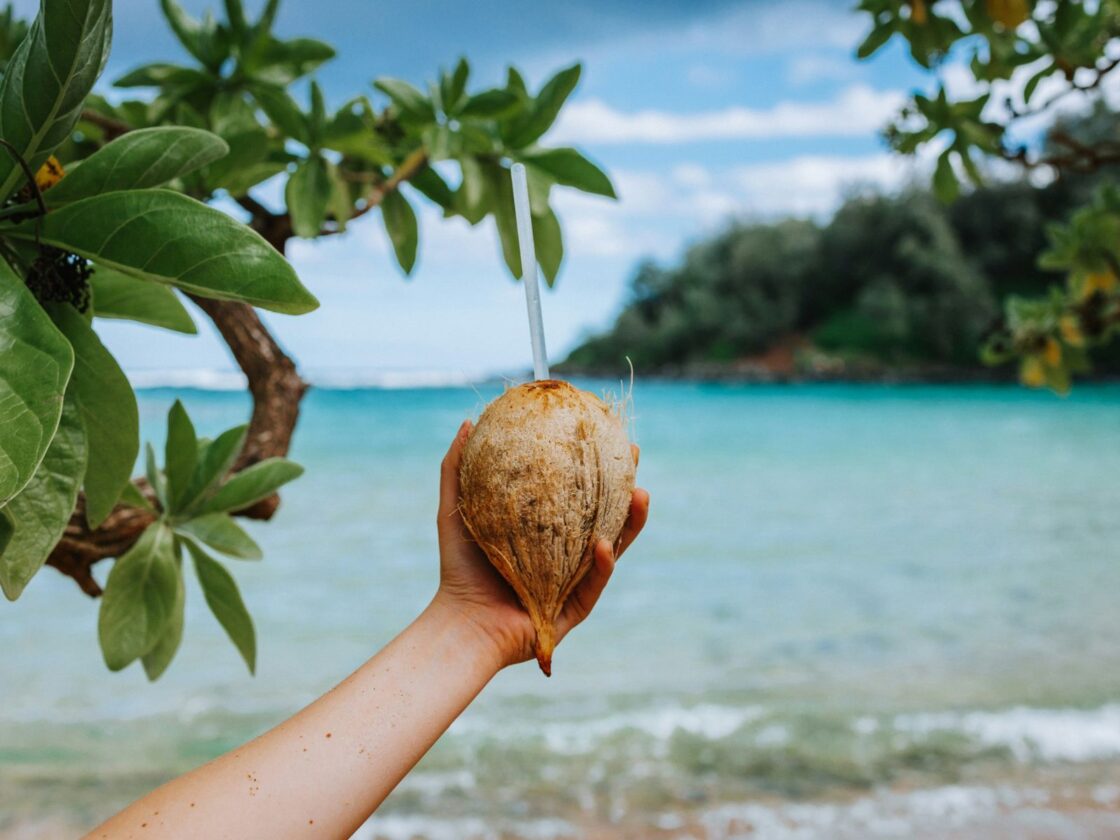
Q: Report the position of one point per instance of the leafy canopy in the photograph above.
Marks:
(104, 213)
(1024, 59)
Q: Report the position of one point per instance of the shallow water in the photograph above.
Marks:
(845, 593)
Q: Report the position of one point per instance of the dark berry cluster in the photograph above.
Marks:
(58, 276)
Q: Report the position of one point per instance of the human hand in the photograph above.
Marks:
(474, 590)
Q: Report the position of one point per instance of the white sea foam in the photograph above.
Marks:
(928, 812)
(706, 720)
(1048, 734)
(413, 826)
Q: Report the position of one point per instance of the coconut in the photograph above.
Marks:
(546, 473)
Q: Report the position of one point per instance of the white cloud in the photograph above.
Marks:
(807, 68)
(857, 111)
(772, 27)
(656, 215)
(691, 175)
(815, 185)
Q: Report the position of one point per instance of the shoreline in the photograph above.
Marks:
(754, 374)
(1046, 804)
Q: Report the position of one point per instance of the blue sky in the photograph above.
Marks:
(701, 111)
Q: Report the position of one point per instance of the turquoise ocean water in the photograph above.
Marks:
(856, 609)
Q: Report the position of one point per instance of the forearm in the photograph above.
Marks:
(322, 772)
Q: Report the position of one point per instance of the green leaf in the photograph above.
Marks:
(400, 223)
(341, 204)
(180, 454)
(47, 79)
(279, 107)
(317, 117)
(107, 405)
(307, 195)
(489, 104)
(545, 108)
(570, 168)
(155, 476)
(235, 13)
(428, 182)
(166, 237)
(163, 75)
(7, 528)
(408, 99)
(221, 533)
(40, 512)
(252, 484)
(282, 62)
(147, 157)
(945, 183)
(452, 86)
(504, 219)
(197, 38)
(156, 660)
(248, 162)
(35, 364)
(224, 599)
(117, 295)
(351, 131)
(215, 459)
(874, 40)
(131, 495)
(140, 597)
(549, 244)
(472, 199)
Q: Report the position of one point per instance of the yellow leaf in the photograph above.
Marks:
(49, 174)
(1033, 372)
(918, 12)
(1100, 281)
(1009, 12)
(1070, 328)
(1052, 353)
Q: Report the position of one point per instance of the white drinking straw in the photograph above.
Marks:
(529, 270)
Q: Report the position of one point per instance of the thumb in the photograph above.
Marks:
(449, 476)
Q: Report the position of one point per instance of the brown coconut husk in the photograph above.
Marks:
(546, 473)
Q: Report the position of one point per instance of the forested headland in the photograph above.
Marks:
(892, 286)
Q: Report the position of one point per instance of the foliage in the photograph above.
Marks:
(340, 163)
(104, 214)
(141, 614)
(1025, 59)
(893, 281)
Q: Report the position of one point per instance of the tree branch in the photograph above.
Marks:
(274, 383)
(113, 128)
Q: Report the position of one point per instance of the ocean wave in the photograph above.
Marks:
(706, 720)
(413, 826)
(1029, 733)
(927, 812)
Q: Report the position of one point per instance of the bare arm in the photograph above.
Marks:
(322, 772)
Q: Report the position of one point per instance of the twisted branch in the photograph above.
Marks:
(273, 381)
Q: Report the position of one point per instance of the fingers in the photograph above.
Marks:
(639, 513)
(586, 594)
(449, 474)
(636, 451)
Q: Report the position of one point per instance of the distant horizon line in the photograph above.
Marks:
(217, 379)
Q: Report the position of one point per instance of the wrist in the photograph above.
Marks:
(471, 630)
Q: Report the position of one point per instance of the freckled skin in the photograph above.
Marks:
(322, 772)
